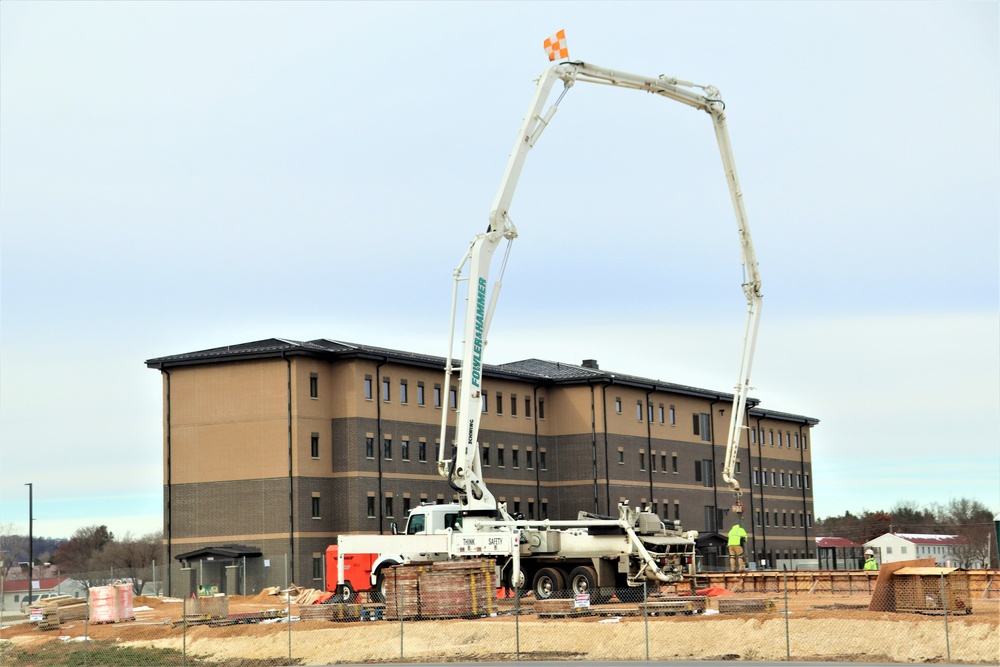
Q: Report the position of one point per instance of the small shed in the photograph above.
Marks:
(232, 569)
(932, 590)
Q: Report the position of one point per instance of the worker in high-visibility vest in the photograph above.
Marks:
(870, 563)
(737, 541)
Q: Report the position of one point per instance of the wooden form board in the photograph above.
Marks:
(883, 598)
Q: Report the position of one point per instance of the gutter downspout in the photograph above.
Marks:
(760, 464)
(379, 445)
(649, 439)
(715, 485)
(169, 526)
(607, 469)
(538, 453)
(291, 482)
(802, 471)
(593, 445)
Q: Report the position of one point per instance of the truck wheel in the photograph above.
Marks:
(343, 594)
(548, 583)
(582, 580)
(378, 595)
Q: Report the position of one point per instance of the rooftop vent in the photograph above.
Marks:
(590, 363)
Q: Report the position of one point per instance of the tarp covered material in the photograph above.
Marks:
(713, 591)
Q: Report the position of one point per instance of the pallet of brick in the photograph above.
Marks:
(447, 589)
(458, 589)
(746, 606)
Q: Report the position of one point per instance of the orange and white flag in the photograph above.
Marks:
(555, 46)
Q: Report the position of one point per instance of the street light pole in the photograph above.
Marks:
(31, 541)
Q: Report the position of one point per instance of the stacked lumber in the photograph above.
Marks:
(440, 589)
(559, 608)
(58, 610)
(746, 606)
(333, 612)
(698, 602)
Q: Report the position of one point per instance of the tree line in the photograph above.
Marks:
(92, 555)
(968, 519)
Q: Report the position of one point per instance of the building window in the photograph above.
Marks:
(784, 520)
(386, 395)
(702, 426)
(621, 457)
(406, 505)
(803, 442)
(791, 518)
(649, 411)
(387, 448)
(753, 436)
(527, 407)
(313, 385)
(388, 505)
(486, 402)
(796, 441)
(541, 460)
(704, 473)
(638, 410)
(453, 398)
(314, 445)
(673, 463)
(486, 455)
(756, 477)
(404, 449)
(807, 481)
(371, 507)
(662, 413)
(780, 439)
(317, 567)
(652, 463)
(663, 462)
(420, 393)
(531, 509)
(757, 515)
(642, 460)
(709, 519)
(315, 507)
(368, 387)
(545, 510)
(770, 437)
(798, 480)
(437, 396)
(500, 461)
(404, 396)
(541, 408)
(422, 451)
(618, 405)
(369, 448)
(809, 520)
(673, 416)
(530, 458)
(499, 403)
(781, 478)
(514, 459)
(513, 405)
(767, 519)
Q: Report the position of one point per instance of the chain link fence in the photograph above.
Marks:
(461, 616)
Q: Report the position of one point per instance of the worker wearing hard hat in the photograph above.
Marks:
(870, 563)
(737, 541)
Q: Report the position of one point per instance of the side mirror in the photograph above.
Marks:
(395, 530)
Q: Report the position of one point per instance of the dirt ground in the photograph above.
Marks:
(820, 627)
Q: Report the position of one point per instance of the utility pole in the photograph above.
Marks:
(31, 542)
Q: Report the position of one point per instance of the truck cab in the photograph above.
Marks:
(431, 519)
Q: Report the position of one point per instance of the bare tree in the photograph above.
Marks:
(84, 557)
(971, 521)
(134, 558)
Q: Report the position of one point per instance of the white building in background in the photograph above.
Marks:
(894, 547)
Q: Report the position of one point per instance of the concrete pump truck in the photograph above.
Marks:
(592, 554)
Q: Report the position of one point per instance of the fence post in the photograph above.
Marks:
(645, 615)
(517, 622)
(944, 607)
(400, 609)
(788, 639)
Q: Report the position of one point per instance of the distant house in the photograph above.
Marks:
(946, 550)
(15, 590)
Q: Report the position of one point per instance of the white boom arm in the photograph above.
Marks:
(464, 470)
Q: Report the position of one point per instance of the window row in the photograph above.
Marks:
(783, 439)
(661, 413)
(515, 457)
(389, 505)
(787, 519)
(404, 397)
(779, 479)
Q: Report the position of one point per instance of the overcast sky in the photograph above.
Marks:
(179, 176)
